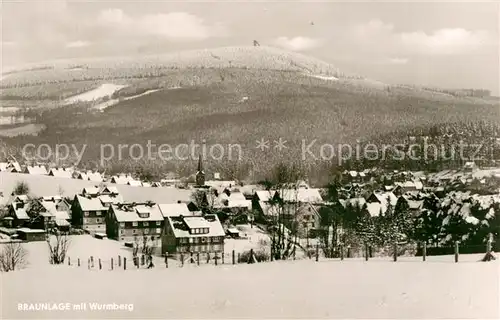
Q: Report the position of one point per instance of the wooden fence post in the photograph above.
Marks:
(366, 251)
(78, 261)
(250, 260)
(166, 259)
(488, 246)
(88, 263)
(456, 251)
(92, 261)
(216, 258)
(395, 248)
(100, 264)
(208, 257)
(124, 263)
(191, 258)
(233, 257)
(198, 258)
(341, 252)
(112, 265)
(349, 251)
(294, 251)
(424, 251)
(69, 260)
(222, 257)
(182, 260)
(317, 252)
(239, 257)
(119, 261)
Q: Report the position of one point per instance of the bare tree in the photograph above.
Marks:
(13, 256)
(58, 246)
(283, 180)
(21, 188)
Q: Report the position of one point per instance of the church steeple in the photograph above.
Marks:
(200, 174)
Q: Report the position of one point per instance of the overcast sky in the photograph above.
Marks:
(442, 44)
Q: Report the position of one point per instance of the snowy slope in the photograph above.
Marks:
(300, 289)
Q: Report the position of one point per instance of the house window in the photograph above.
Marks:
(122, 231)
(134, 224)
(98, 213)
(158, 223)
(146, 231)
(158, 230)
(98, 220)
(122, 224)
(134, 231)
(191, 240)
(145, 223)
(122, 239)
(86, 213)
(203, 240)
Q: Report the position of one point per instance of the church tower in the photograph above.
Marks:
(200, 174)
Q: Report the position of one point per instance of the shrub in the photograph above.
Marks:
(260, 256)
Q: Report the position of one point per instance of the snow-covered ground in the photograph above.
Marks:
(323, 77)
(104, 90)
(351, 288)
(109, 103)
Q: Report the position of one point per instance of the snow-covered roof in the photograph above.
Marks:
(264, 195)
(90, 191)
(180, 226)
(312, 195)
(60, 173)
(20, 213)
(234, 203)
(375, 209)
(174, 209)
(36, 170)
(220, 183)
(131, 213)
(134, 183)
(268, 209)
(92, 204)
(107, 199)
(196, 222)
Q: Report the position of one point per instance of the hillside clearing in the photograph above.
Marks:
(104, 90)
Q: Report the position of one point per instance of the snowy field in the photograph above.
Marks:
(102, 91)
(353, 288)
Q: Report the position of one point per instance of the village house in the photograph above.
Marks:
(37, 170)
(185, 234)
(18, 210)
(378, 203)
(49, 212)
(298, 208)
(131, 222)
(88, 213)
(108, 195)
(232, 202)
